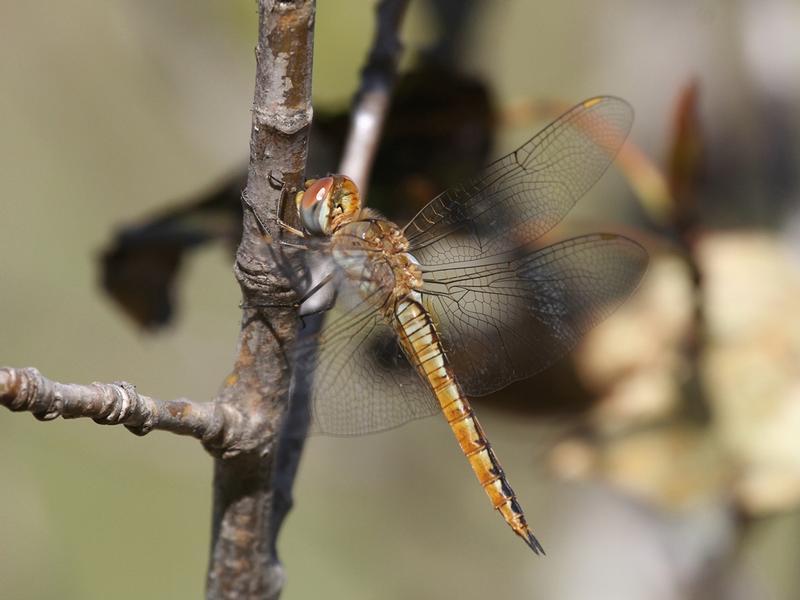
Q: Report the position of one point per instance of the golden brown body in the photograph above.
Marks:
(421, 343)
(393, 281)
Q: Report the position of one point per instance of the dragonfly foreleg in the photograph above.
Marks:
(280, 259)
(289, 244)
(278, 184)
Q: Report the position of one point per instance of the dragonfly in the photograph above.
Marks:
(465, 298)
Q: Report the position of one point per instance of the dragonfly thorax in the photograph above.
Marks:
(373, 252)
(328, 203)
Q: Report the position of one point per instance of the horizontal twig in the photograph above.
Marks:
(118, 403)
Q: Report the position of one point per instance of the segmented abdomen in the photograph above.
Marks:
(421, 343)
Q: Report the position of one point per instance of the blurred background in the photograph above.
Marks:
(661, 461)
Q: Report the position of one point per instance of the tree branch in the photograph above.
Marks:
(116, 404)
(242, 564)
(241, 427)
(372, 100)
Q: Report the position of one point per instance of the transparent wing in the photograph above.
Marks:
(503, 313)
(362, 380)
(508, 317)
(523, 195)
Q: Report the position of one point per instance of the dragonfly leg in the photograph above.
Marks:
(322, 283)
(299, 302)
(277, 184)
(253, 210)
(290, 229)
(298, 280)
(302, 317)
(278, 257)
(289, 244)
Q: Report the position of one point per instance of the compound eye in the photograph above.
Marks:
(314, 205)
(317, 192)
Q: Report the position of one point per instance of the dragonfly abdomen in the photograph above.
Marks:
(421, 342)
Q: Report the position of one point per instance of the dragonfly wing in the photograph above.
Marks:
(508, 317)
(362, 381)
(523, 195)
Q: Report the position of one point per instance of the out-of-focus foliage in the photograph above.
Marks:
(751, 370)
(696, 377)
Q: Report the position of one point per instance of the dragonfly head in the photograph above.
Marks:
(328, 203)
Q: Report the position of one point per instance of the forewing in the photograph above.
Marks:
(362, 381)
(523, 195)
(506, 318)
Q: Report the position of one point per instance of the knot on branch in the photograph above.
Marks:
(118, 402)
(285, 122)
(26, 390)
(229, 433)
(267, 282)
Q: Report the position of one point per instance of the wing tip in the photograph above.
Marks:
(622, 107)
(605, 98)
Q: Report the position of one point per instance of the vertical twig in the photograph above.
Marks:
(241, 564)
(374, 94)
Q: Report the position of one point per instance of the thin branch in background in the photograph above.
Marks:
(686, 170)
(372, 100)
(451, 19)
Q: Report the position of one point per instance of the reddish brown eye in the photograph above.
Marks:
(316, 192)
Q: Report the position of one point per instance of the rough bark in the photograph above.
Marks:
(117, 404)
(241, 563)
